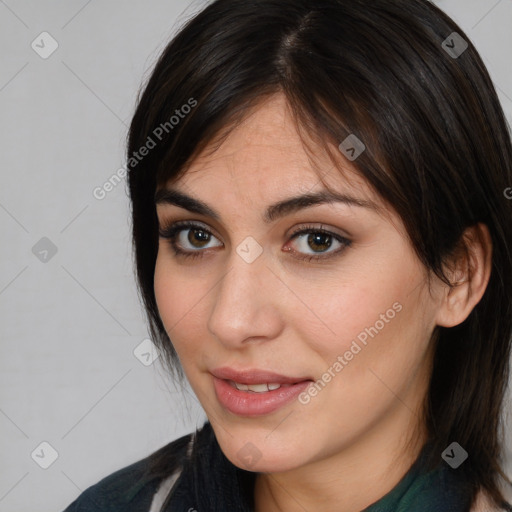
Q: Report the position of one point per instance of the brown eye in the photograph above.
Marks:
(319, 241)
(197, 237)
(187, 239)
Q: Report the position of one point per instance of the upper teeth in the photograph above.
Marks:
(257, 388)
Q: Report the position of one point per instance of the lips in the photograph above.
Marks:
(255, 392)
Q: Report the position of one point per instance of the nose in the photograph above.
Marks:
(246, 304)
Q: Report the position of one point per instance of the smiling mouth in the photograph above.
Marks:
(257, 398)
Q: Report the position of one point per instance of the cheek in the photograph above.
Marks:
(378, 318)
(382, 357)
(179, 306)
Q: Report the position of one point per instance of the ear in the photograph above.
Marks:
(469, 270)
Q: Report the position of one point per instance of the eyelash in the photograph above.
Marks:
(169, 232)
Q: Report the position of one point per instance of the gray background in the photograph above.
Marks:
(70, 321)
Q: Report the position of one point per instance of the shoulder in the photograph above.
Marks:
(116, 491)
(133, 487)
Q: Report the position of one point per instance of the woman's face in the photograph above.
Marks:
(356, 322)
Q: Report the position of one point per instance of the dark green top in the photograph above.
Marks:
(230, 489)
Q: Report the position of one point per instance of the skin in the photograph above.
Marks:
(347, 447)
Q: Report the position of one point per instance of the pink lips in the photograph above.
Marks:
(248, 403)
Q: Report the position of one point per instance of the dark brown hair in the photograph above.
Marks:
(438, 150)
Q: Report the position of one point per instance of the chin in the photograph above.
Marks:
(265, 464)
(262, 457)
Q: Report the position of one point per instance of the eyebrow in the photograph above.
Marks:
(273, 212)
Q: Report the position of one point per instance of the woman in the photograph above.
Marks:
(323, 248)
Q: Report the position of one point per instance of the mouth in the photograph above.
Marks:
(256, 392)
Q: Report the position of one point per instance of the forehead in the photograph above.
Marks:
(265, 157)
